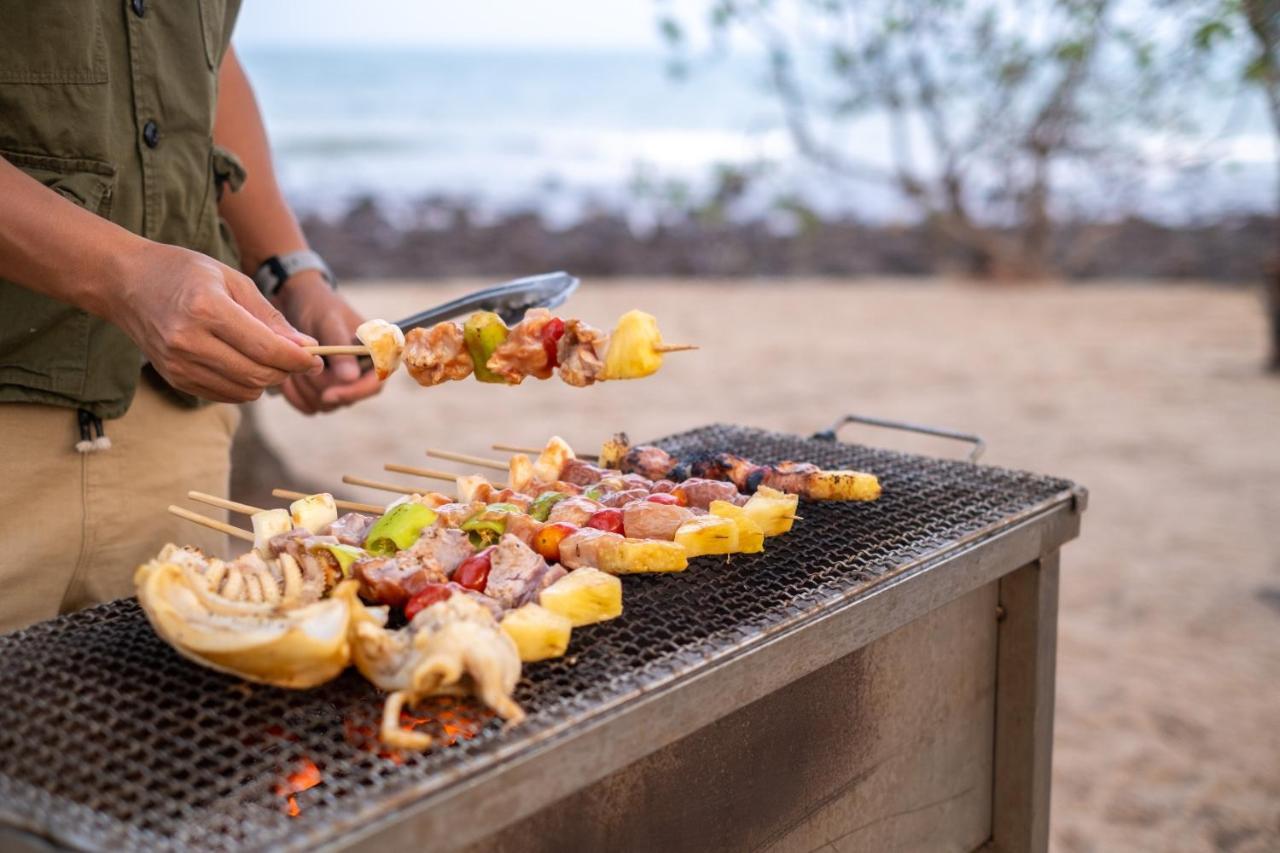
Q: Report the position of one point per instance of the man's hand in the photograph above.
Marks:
(313, 307)
(202, 325)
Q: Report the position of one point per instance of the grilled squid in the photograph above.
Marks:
(267, 641)
(452, 647)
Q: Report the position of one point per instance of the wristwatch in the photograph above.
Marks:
(278, 269)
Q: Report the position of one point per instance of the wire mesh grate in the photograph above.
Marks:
(111, 740)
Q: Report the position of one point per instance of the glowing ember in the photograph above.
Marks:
(307, 776)
(447, 719)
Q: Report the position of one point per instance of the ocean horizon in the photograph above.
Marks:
(562, 131)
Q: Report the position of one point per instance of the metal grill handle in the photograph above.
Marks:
(979, 445)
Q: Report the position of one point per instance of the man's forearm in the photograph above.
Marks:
(258, 215)
(51, 246)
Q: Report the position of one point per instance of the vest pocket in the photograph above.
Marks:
(52, 42)
(44, 344)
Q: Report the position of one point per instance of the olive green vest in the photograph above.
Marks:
(111, 104)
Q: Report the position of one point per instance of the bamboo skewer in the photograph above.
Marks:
(352, 480)
(350, 506)
(675, 347)
(429, 473)
(338, 349)
(223, 503)
(468, 459)
(211, 523)
(534, 451)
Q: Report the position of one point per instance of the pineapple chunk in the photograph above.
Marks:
(314, 512)
(538, 633)
(632, 349)
(708, 534)
(584, 596)
(639, 556)
(750, 536)
(843, 486)
(773, 510)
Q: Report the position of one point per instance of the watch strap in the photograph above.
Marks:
(278, 269)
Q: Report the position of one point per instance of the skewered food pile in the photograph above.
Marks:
(481, 581)
(537, 346)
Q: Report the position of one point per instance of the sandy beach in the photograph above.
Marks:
(1168, 714)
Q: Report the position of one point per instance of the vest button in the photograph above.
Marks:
(151, 134)
(139, 7)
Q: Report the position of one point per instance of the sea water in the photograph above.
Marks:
(558, 130)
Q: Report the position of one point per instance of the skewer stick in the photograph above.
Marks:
(429, 473)
(468, 458)
(352, 480)
(350, 506)
(223, 503)
(675, 347)
(211, 523)
(343, 349)
(534, 451)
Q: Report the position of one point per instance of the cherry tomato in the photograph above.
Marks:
(473, 572)
(547, 540)
(551, 335)
(663, 498)
(428, 596)
(681, 498)
(608, 519)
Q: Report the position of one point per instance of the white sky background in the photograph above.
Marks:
(581, 24)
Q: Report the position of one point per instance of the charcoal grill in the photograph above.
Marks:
(879, 678)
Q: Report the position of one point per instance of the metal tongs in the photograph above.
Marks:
(509, 300)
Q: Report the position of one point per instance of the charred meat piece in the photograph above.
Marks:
(582, 547)
(580, 473)
(701, 492)
(394, 580)
(575, 510)
(452, 515)
(522, 526)
(581, 353)
(648, 520)
(515, 573)
(437, 355)
(509, 496)
(352, 528)
(624, 497)
(523, 353)
(652, 463)
(446, 547)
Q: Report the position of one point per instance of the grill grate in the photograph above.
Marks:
(111, 740)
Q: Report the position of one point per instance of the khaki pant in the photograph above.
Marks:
(74, 526)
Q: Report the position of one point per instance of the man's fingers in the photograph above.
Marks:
(292, 390)
(225, 360)
(249, 335)
(247, 295)
(344, 395)
(212, 385)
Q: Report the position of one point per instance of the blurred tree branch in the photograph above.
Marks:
(986, 104)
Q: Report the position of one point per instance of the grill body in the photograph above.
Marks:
(112, 741)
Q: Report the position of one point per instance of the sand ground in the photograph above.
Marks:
(1168, 712)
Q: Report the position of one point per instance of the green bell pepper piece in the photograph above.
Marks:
(483, 333)
(594, 493)
(541, 507)
(346, 555)
(399, 528)
(484, 530)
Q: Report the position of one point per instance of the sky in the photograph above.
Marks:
(600, 24)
